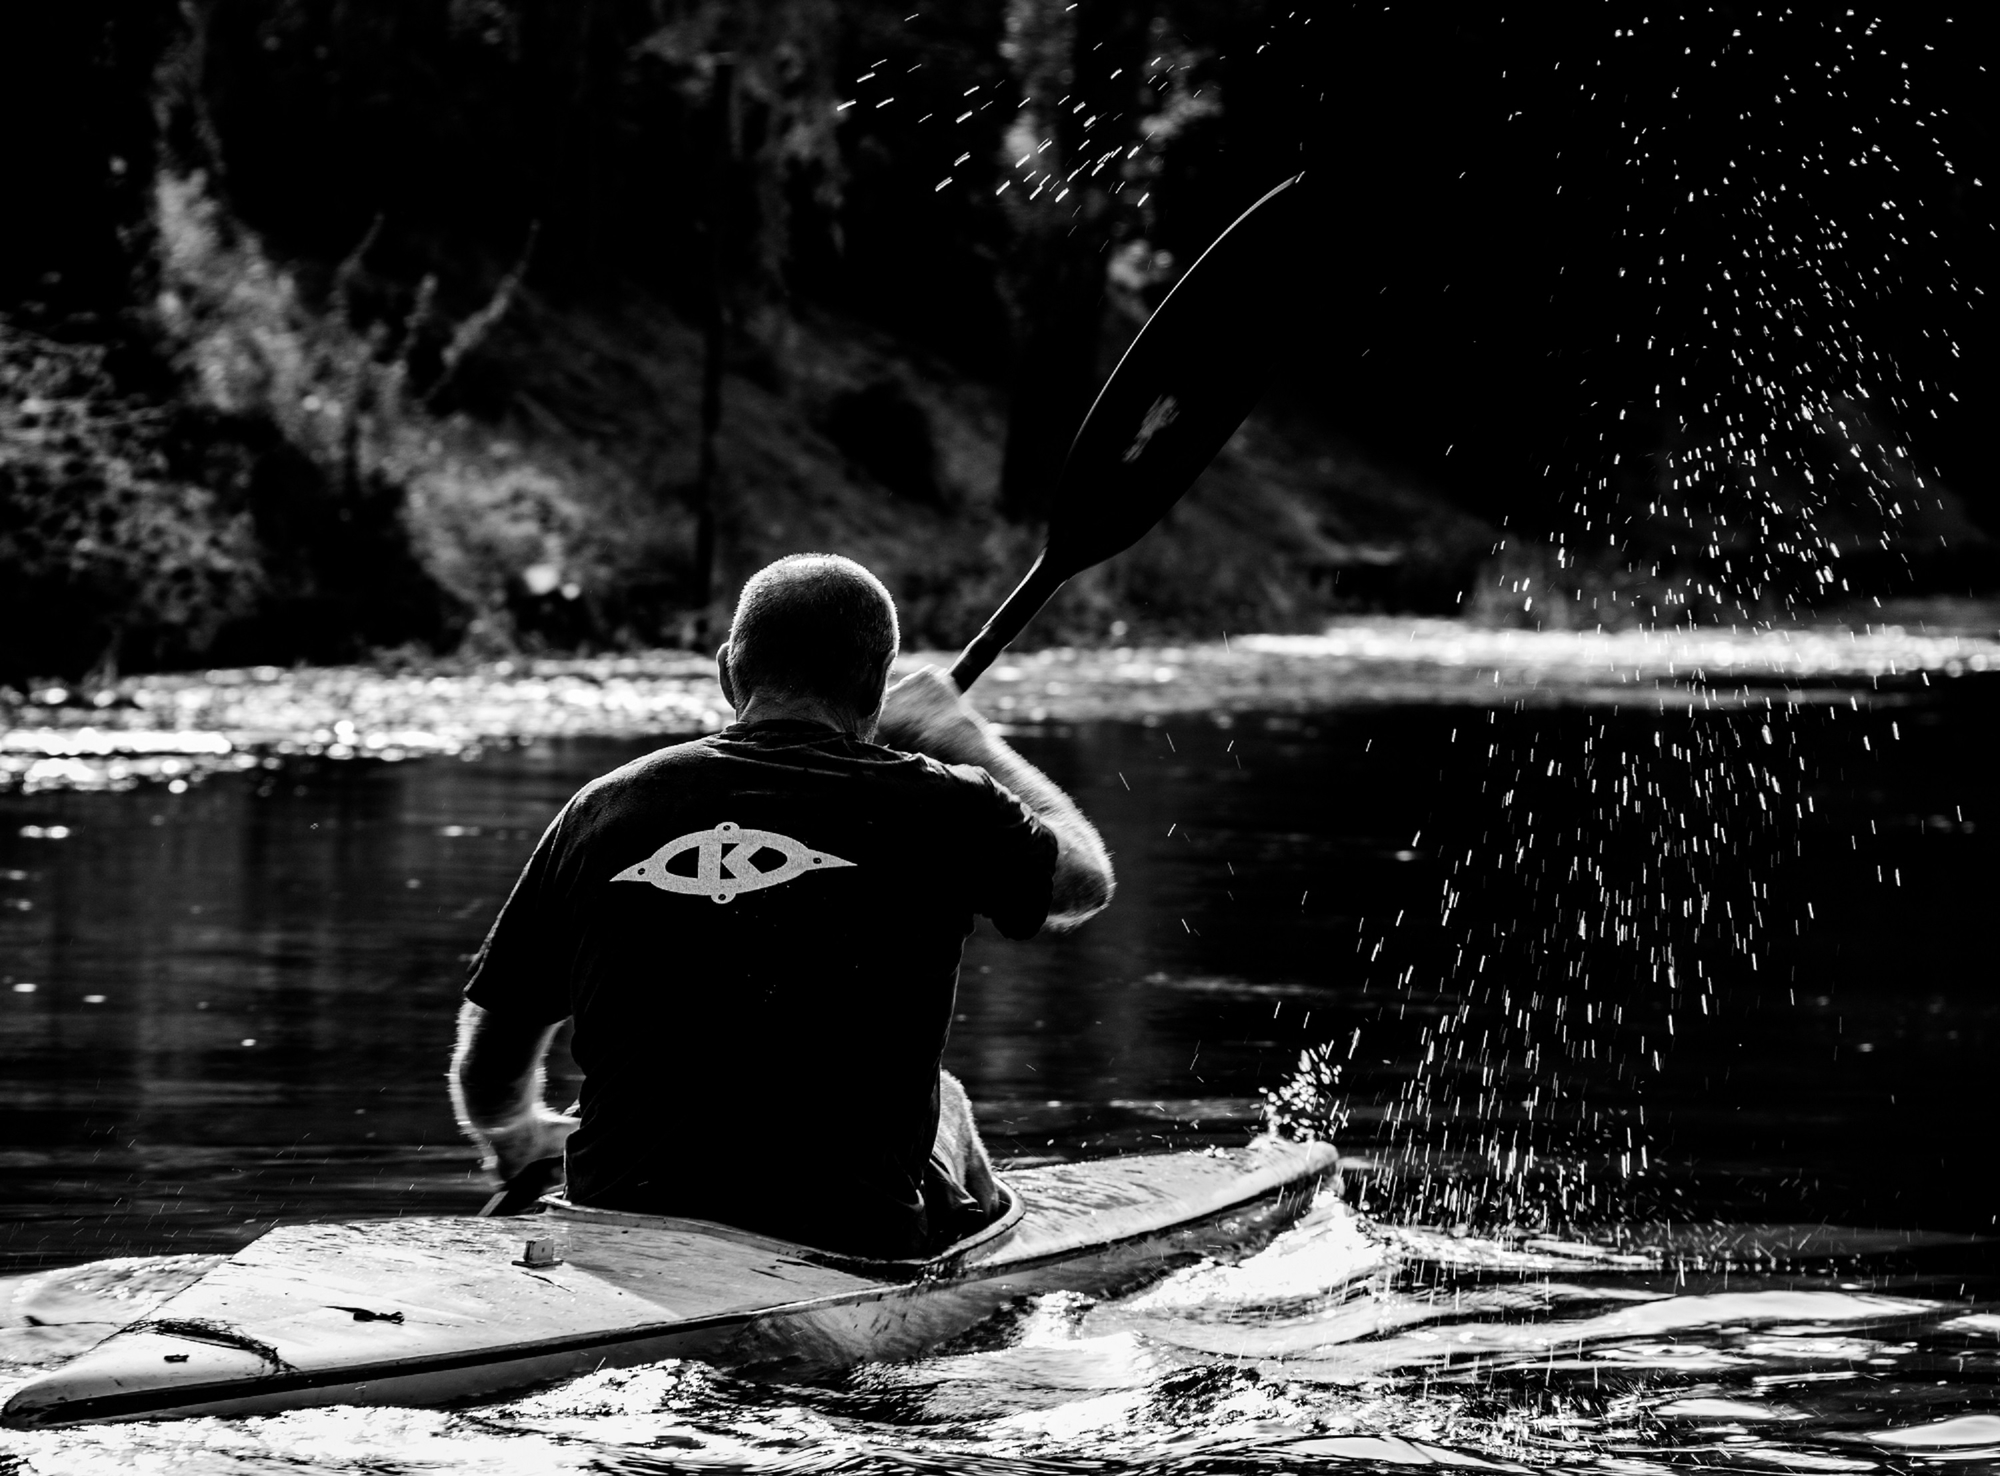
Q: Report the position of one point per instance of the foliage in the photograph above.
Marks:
(335, 411)
(778, 144)
(418, 285)
(110, 555)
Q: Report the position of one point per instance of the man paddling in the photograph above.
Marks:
(758, 936)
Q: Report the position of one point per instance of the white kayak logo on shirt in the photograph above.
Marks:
(728, 848)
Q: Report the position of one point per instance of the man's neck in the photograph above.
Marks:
(769, 709)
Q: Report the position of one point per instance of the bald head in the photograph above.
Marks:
(814, 627)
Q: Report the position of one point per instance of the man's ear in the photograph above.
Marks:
(869, 720)
(888, 678)
(722, 675)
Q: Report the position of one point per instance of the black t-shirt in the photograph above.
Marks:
(758, 934)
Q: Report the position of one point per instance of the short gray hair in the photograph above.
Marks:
(814, 625)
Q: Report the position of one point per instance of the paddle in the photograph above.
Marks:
(1195, 370)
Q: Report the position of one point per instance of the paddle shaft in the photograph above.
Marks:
(1008, 621)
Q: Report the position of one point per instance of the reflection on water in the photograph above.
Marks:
(231, 1004)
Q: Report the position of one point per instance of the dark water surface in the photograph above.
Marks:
(234, 1004)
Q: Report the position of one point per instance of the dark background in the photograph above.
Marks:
(1554, 252)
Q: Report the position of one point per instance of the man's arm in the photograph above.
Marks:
(925, 713)
(497, 1080)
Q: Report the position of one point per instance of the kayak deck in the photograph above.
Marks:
(427, 1310)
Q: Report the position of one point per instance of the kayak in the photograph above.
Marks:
(436, 1309)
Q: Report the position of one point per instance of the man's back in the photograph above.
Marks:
(758, 934)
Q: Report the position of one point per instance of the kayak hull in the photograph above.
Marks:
(434, 1311)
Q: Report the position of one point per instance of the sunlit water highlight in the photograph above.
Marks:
(179, 728)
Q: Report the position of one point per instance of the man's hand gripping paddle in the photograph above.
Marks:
(1196, 369)
(524, 1191)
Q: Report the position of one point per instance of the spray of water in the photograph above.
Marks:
(1747, 458)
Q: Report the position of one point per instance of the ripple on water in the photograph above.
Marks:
(1967, 1436)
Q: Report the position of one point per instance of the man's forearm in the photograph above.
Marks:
(926, 713)
(1083, 881)
(497, 1080)
(497, 1071)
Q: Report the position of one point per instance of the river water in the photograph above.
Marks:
(1653, 1007)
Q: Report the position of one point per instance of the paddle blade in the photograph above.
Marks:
(1196, 369)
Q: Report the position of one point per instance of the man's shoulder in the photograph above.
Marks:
(986, 803)
(663, 765)
(670, 775)
(968, 781)
(924, 769)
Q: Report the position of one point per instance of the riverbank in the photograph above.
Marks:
(178, 728)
